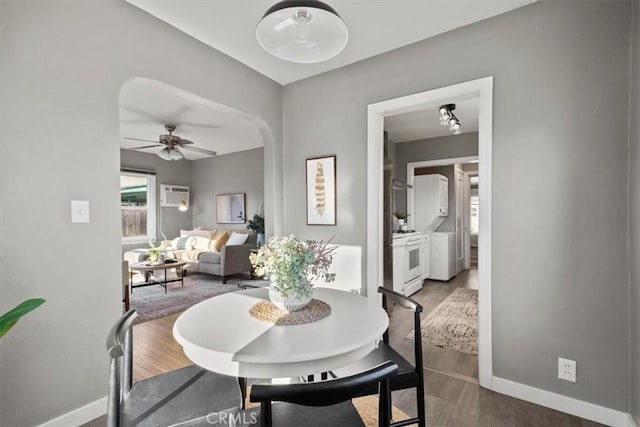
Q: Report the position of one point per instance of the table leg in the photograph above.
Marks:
(182, 275)
(242, 382)
(126, 298)
(131, 280)
(165, 281)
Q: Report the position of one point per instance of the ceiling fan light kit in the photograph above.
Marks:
(302, 31)
(170, 154)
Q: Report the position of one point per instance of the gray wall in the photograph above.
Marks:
(241, 172)
(443, 147)
(62, 65)
(559, 68)
(449, 223)
(169, 220)
(634, 204)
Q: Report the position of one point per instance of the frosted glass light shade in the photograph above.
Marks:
(302, 31)
(170, 154)
(183, 206)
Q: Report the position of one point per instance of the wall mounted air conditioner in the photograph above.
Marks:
(172, 195)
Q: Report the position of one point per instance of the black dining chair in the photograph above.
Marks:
(317, 404)
(408, 375)
(165, 399)
(323, 403)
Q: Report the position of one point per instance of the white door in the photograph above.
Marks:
(466, 220)
(459, 188)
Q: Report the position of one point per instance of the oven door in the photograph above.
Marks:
(413, 260)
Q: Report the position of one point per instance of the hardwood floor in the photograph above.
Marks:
(452, 394)
(155, 350)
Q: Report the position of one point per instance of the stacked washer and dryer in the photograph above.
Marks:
(431, 207)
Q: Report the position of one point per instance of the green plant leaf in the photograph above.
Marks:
(11, 317)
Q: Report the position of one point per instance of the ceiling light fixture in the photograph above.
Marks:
(447, 118)
(170, 153)
(303, 31)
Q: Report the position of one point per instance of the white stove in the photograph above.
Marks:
(410, 261)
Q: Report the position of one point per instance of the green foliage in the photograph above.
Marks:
(290, 263)
(11, 317)
(256, 224)
(155, 251)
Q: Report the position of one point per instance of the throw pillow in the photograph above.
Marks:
(237, 239)
(216, 245)
(198, 232)
(180, 243)
(201, 243)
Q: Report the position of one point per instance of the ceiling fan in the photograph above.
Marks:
(173, 145)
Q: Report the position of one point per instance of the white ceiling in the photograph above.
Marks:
(423, 124)
(374, 27)
(146, 106)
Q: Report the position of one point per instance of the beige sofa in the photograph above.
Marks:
(203, 252)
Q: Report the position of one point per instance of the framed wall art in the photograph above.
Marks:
(230, 208)
(321, 190)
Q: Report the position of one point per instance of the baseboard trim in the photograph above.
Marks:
(79, 416)
(569, 405)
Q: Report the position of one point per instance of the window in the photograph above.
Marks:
(137, 207)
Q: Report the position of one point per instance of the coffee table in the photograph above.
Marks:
(145, 267)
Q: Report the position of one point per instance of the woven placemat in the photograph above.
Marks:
(267, 312)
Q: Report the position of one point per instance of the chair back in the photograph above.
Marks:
(120, 350)
(408, 303)
(325, 393)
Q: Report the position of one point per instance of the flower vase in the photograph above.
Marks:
(288, 303)
(259, 240)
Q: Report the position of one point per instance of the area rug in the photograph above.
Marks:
(151, 302)
(454, 323)
(367, 408)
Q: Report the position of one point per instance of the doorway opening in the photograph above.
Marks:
(481, 89)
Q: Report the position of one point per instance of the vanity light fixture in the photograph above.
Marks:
(447, 118)
(302, 31)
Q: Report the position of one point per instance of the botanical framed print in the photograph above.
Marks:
(321, 190)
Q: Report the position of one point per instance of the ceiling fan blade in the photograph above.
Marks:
(185, 142)
(138, 139)
(200, 125)
(202, 150)
(145, 147)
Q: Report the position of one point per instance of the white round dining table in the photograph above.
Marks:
(220, 335)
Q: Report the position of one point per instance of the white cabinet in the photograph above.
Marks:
(426, 255)
(442, 256)
(399, 250)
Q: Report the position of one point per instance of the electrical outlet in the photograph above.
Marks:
(567, 369)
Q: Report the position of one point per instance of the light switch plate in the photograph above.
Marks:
(79, 211)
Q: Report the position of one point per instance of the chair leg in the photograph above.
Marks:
(384, 404)
(265, 414)
(422, 413)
